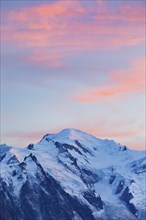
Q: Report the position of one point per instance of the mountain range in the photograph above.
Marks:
(72, 175)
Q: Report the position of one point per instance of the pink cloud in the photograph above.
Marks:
(125, 12)
(61, 29)
(120, 82)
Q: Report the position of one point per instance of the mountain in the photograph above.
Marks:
(72, 176)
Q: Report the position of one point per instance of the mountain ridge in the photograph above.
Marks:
(100, 177)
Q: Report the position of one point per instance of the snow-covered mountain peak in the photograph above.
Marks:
(72, 134)
(77, 138)
(74, 167)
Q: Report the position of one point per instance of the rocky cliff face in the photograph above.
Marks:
(72, 176)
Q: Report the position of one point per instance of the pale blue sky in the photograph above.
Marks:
(56, 80)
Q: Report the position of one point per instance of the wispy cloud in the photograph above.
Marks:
(60, 29)
(59, 48)
(119, 82)
(125, 12)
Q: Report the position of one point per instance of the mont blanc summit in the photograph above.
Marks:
(72, 175)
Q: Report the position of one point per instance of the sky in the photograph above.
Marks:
(73, 64)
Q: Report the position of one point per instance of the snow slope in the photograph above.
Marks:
(102, 175)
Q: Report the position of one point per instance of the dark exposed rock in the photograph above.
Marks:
(83, 148)
(41, 199)
(89, 177)
(71, 147)
(120, 187)
(2, 157)
(126, 197)
(22, 165)
(14, 173)
(124, 148)
(61, 148)
(93, 199)
(75, 162)
(8, 203)
(140, 169)
(13, 160)
(30, 146)
(112, 178)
